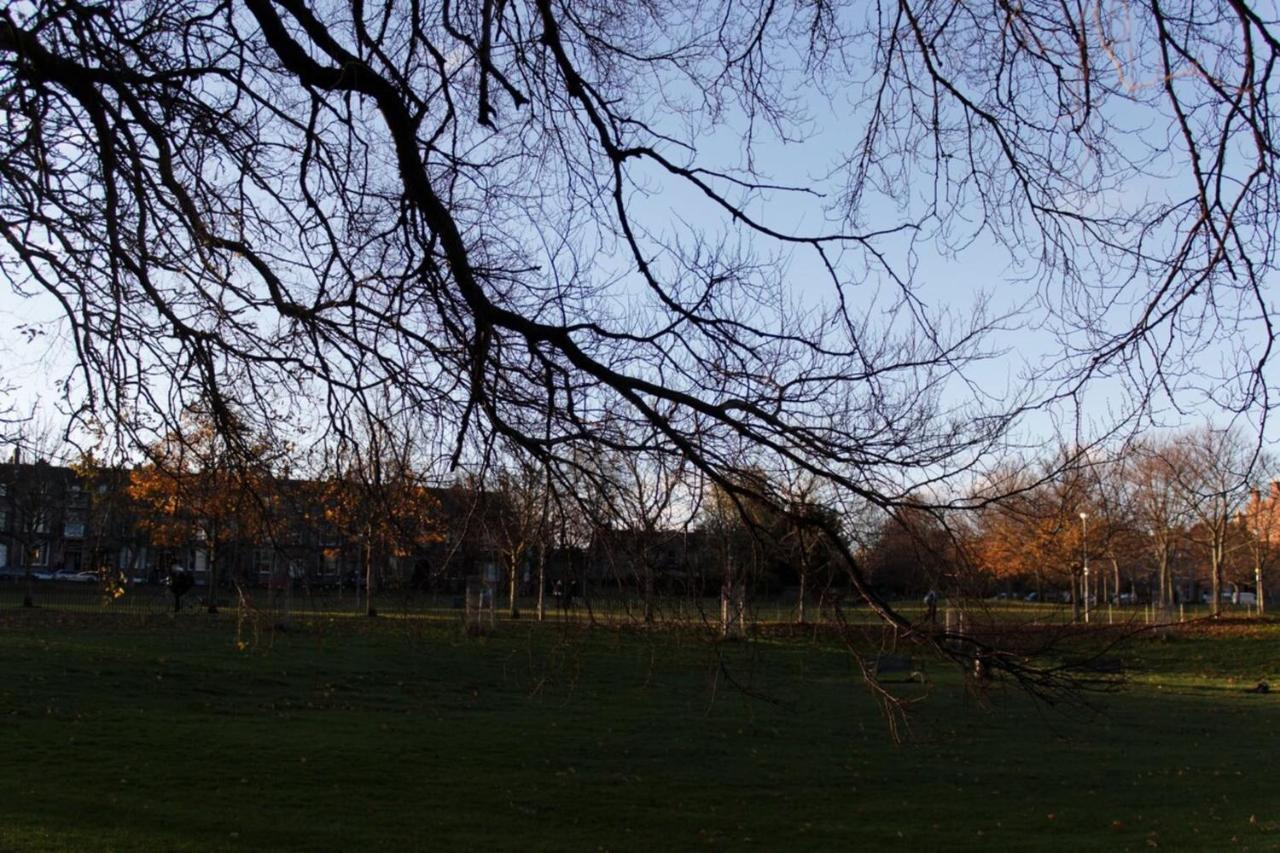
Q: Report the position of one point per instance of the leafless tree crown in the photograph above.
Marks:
(276, 201)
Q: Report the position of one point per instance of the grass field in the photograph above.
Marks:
(355, 734)
(606, 604)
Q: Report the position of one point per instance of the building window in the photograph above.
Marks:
(4, 555)
(134, 559)
(4, 520)
(38, 555)
(4, 490)
(39, 521)
(73, 529)
(264, 562)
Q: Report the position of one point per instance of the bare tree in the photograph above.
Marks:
(801, 542)
(459, 202)
(643, 513)
(515, 483)
(1158, 509)
(378, 499)
(1210, 468)
(10, 417)
(35, 500)
(1114, 526)
(736, 528)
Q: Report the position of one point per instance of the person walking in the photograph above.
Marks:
(931, 605)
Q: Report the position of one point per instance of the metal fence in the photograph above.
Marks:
(603, 605)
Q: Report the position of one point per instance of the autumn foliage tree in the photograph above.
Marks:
(380, 502)
(1033, 533)
(205, 486)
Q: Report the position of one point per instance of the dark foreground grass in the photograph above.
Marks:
(386, 735)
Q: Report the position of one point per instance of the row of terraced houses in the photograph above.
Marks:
(55, 521)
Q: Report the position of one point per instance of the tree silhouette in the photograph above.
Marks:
(465, 203)
(205, 488)
(379, 502)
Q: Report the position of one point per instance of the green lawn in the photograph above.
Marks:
(401, 734)
(607, 604)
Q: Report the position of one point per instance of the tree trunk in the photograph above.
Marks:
(513, 570)
(213, 575)
(27, 601)
(648, 592)
(1166, 579)
(1075, 596)
(286, 617)
(369, 609)
(542, 582)
(800, 603)
(1257, 583)
(1215, 580)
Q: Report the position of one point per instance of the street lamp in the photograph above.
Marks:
(1084, 548)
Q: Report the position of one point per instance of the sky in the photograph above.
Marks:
(980, 275)
(36, 355)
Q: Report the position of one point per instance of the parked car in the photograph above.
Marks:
(77, 577)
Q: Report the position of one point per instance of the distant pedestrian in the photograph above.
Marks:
(931, 603)
(180, 583)
(557, 592)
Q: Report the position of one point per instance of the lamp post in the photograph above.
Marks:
(1084, 548)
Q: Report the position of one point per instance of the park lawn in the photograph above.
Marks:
(187, 734)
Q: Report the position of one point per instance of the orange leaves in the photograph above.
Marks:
(202, 485)
(1033, 536)
(395, 516)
